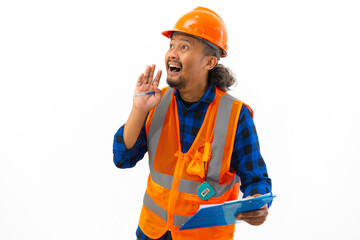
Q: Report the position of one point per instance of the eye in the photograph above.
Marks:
(185, 47)
(171, 45)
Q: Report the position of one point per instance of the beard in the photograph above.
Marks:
(180, 83)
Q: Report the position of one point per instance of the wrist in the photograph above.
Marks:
(139, 113)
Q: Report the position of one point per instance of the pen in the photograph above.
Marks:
(145, 93)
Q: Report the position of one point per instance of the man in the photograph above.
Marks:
(200, 140)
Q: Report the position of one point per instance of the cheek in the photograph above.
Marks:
(188, 69)
(166, 57)
(187, 63)
(192, 66)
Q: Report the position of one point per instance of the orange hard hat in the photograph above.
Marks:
(204, 23)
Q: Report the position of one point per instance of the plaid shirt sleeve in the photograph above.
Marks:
(127, 158)
(246, 158)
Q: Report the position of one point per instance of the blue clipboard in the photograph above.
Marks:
(224, 214)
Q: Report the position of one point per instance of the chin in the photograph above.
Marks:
(171, 83)
(175, 83)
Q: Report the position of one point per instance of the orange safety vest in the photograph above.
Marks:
(170, 198)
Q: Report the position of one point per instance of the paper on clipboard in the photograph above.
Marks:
(224, 214)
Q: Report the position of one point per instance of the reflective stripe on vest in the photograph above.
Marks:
(154, 207)
(154, 136)
(162, 213)
(218, 145)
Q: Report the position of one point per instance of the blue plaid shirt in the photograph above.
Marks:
(246, 159)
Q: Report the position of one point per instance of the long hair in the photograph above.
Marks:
(220, 75)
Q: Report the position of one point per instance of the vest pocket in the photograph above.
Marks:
(198, 165)
(227, 177)
(158, 193)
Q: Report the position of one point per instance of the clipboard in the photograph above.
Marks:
(224, 214)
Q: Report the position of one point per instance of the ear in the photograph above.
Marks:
(211, 62)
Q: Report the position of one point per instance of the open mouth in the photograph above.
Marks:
(174, 67)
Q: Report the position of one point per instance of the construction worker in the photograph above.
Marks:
(201, 142)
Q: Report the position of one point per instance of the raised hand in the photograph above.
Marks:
(147, 83)
(142, 104)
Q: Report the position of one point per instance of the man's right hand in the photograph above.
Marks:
(146, 83)
(142, 104)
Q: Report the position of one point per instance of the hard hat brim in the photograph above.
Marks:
(169, 33)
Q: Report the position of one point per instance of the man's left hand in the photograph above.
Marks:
(256, 217)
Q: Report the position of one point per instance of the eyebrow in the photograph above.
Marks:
(182, 39)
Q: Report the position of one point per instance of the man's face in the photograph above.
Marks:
(184, 61)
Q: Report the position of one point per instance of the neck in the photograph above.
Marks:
(195, 92)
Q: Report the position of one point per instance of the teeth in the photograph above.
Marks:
(174, 66)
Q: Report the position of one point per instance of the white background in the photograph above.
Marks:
(68, 69)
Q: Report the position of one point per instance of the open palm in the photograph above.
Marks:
(147, 83)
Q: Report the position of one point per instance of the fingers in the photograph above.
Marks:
(156, 81)
(139, 81)
(255, 218)
(254, 214)
(255, 222)
(151, 74)
(146, 74)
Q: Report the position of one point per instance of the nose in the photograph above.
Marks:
(173, 53)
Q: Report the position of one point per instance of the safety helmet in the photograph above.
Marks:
(204, 23)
